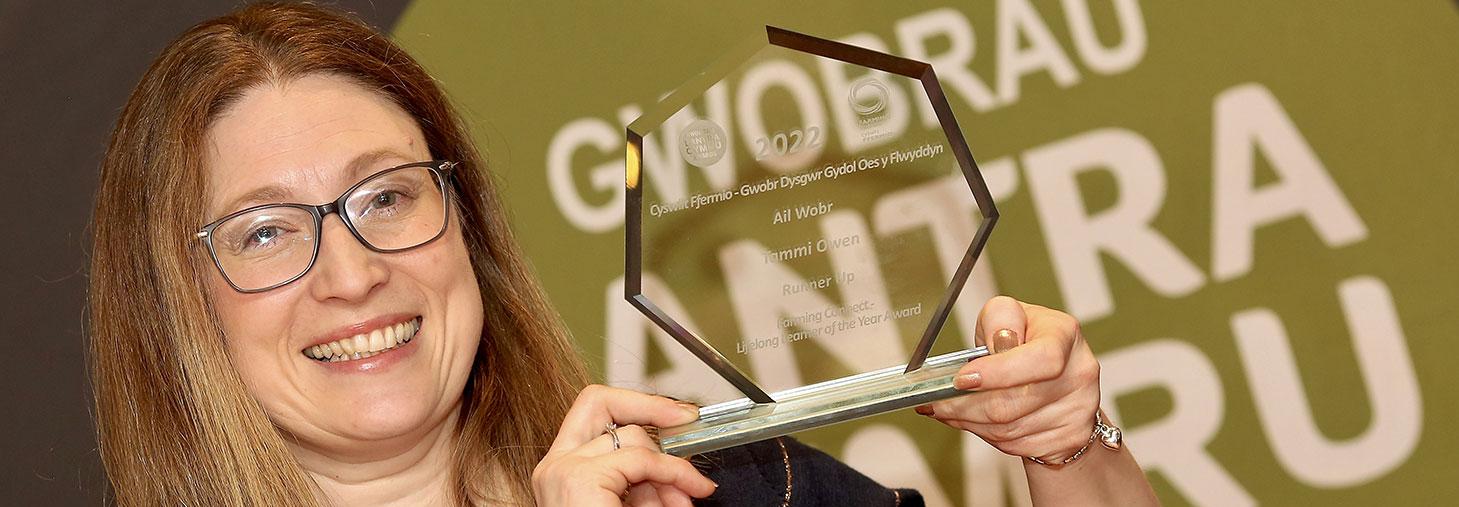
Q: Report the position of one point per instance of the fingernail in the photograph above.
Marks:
(689, 407)
(925, 410)
(1004, 340)
(969, 381)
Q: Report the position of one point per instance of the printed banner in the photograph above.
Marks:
(1248, 205)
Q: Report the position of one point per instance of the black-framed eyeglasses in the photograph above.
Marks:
(271, 245)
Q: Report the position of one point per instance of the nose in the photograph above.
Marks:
(345, 269)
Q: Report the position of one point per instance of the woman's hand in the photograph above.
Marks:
(1037, 399)
(583, 468)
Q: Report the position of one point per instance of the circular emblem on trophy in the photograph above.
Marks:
(702, 142)
(868, 97)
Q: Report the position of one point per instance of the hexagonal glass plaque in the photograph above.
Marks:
(804, 214)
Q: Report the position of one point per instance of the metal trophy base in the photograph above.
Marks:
(743, 421)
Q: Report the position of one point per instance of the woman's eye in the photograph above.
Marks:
(387, 203)
(385, 199)
(263, 236)
(259, 239)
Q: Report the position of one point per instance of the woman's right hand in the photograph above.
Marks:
(582, 468)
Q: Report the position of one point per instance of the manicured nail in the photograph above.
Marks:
(1004, 340)
(969, 381)
(925, 410)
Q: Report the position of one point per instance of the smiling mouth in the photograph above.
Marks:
(366, 344)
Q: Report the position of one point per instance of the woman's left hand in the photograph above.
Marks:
(1037, 394)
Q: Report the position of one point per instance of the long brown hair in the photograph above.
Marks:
(176, 425)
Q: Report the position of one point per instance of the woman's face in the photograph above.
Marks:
(308, 141)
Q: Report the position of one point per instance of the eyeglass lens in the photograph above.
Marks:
(393, 210)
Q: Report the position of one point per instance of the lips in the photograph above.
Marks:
(366, 343)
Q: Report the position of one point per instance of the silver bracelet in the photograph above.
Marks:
(1108, 435)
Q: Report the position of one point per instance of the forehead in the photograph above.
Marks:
(295, 139)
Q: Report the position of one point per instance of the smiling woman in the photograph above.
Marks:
(294, 104)
(304, 292)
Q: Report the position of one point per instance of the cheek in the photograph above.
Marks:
(465, 293)
(231, 307)
(451, 271)
(251, 341)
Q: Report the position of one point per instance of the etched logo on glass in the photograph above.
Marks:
(703, 143)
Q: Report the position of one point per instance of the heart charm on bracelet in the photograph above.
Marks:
(1109, 435)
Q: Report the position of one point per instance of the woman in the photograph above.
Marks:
(391, 347)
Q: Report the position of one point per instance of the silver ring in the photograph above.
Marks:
(611, 431)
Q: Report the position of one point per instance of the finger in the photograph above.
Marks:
(637, 436)
(1001, 323)
(1000, 327)
(999, 419)
(643, 495)
(652, 494)
(673, 497)
(996, 407)
(637, 465)
(632, 435)
(1002, 406)
(1052, 336)
(597, 405)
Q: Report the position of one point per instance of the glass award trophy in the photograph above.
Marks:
(801, 217)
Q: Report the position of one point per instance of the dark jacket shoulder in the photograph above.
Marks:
(783, 471)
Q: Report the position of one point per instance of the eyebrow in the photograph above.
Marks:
(365, 161)
(273, 194)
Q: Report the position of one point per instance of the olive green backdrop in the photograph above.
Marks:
(1134, 147)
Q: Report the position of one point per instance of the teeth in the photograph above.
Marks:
(377, 340)
(364, 345)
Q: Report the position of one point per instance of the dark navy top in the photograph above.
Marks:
(785, 472)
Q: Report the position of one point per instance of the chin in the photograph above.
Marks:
(387, 418)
